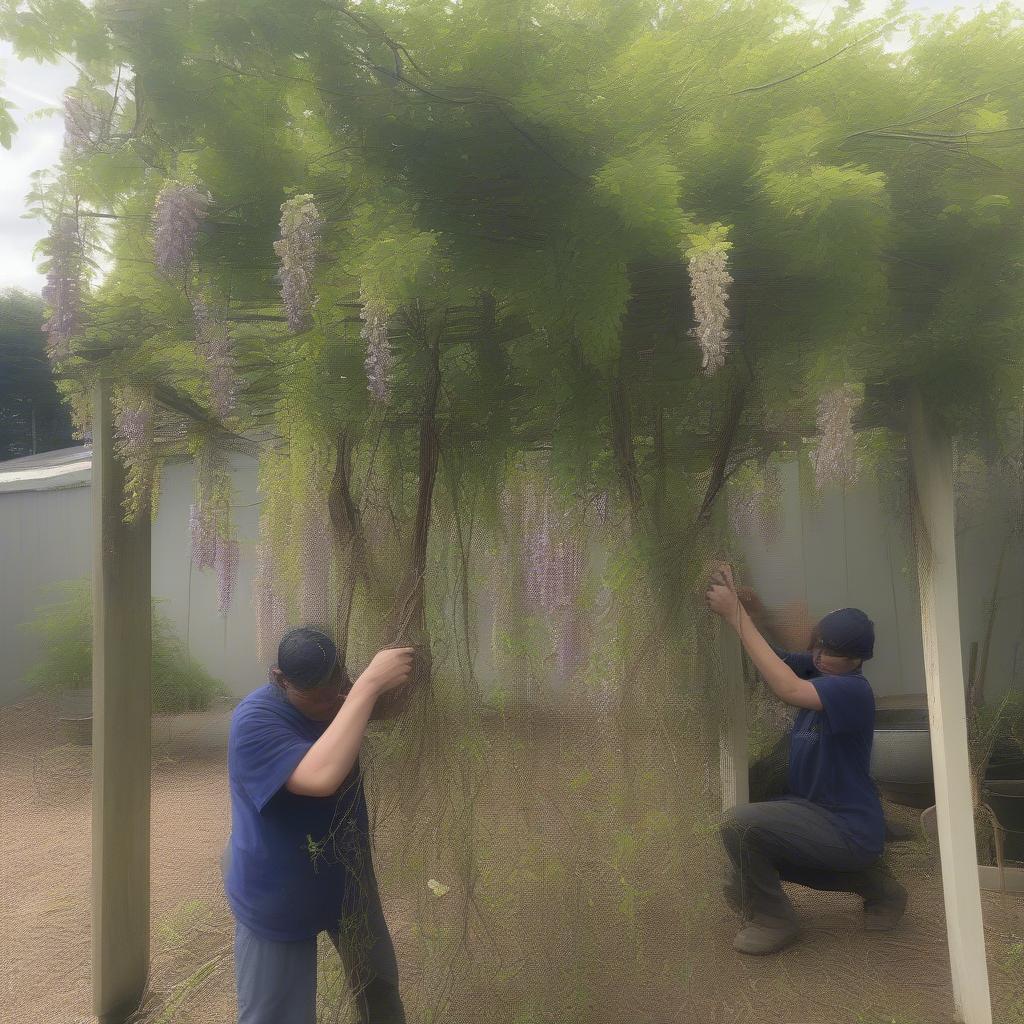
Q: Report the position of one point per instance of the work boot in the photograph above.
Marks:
(762, 936)
(884, 912)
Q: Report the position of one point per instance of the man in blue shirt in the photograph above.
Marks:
(828, 831)
(298, 861)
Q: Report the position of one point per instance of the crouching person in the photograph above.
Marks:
(828, 831)
(298, 860)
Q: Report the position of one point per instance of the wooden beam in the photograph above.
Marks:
(121, 733)
(934, 512)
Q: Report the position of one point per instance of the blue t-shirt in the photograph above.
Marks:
(830, 753)
(290, 855)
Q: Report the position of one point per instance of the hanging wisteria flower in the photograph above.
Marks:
(213, 340)
(378, 349)
(63, 288)
(203, 534)
(210, 513)
(85, 125)
(297, 248)
(225, 562)
(271, 615)
(134, 437)
(553, 568)
(835, 457)
(178, 214)
(709, 288)
(754, 501)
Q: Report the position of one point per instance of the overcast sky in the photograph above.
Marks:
(35, 87)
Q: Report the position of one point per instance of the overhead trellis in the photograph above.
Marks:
(470, 276)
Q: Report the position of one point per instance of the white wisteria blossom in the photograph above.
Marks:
(378, 348)
(835, 456)
(709, 288)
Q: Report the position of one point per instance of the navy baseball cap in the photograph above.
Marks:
(848, 632)
(306, 657)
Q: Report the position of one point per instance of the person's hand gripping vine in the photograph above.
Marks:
(721, 596)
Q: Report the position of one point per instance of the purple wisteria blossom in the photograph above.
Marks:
(178, 214)
(225, 563)
(271, 615)
(203, 532)
(297, 250)
(63, 289)
(213, 340)
(85, 125)
(553, 570)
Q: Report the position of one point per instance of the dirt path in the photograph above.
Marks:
(837, 974)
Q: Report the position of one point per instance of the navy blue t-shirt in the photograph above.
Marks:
(830, 753)
(290, 855)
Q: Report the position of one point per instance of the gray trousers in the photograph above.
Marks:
(792, 840)
(276, 981)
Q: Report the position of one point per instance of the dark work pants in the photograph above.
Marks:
(276, 981)
(792, 840)
(773, 840)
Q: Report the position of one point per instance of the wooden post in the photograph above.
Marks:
(121, 733)
(934, 511)
(733, 756)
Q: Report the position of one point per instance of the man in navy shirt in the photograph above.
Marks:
(298, 861)
(828, 831)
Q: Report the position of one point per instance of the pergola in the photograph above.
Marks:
(122, 707)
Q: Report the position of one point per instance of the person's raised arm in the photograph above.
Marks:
(723, 600)
(330, 760)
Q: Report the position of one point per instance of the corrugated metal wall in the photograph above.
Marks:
(847, 551)
(45, 538)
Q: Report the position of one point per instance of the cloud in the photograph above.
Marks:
(32, 87)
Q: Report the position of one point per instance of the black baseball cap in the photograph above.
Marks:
(847, 631)
(306, 657)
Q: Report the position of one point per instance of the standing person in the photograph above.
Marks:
(298, 860)
(828, 831)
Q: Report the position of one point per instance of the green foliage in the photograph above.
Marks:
(7, 124)
(65, 628)
(31, 415)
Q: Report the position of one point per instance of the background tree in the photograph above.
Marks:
(32, 416)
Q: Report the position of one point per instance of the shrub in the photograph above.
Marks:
(65, 627)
